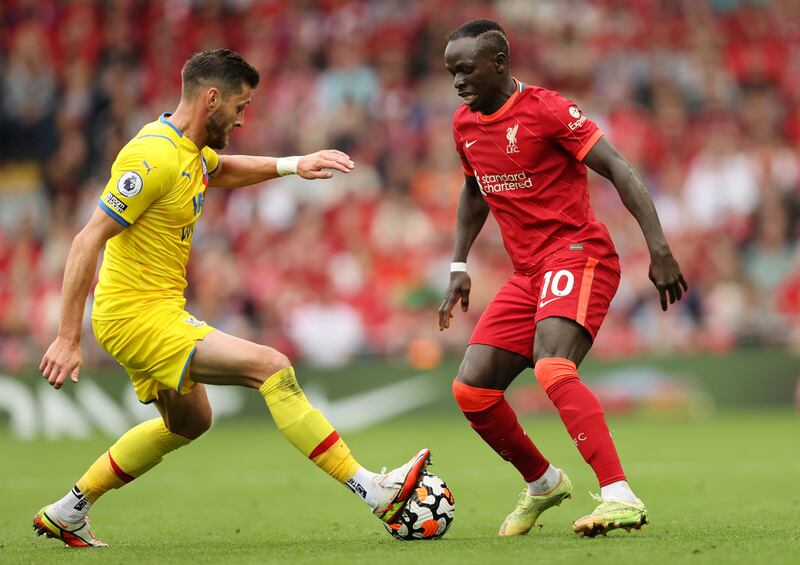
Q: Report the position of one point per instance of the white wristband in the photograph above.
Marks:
(287, 166)
(458, 267)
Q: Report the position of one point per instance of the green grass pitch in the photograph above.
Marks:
(720, 491)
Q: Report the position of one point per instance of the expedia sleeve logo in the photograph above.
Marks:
(580, 118)
(130, 184)
(115, 203)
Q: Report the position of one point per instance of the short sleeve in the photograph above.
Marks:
(460, 148)
(138, 178)
(212, 160)
(563, 123)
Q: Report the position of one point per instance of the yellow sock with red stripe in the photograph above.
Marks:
(305, 426)
(140, 449)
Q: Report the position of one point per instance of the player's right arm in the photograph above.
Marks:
(142, 172)
(63, 358)
(472, 213)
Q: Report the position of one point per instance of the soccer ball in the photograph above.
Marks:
(428, 512)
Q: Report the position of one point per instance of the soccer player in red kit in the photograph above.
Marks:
(524, 150)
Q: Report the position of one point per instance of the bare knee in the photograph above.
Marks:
(490, 367)
(277, 361)
(561, 338)
(266, 362)
(571, 352)
(547, 350)
(190, 425)
(471, 375)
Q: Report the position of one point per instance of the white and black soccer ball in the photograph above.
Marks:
(428, 512)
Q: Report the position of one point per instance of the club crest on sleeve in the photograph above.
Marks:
(205, 169)
(130, 184)
(192, 321)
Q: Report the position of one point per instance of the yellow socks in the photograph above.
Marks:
(305, 426)
(143, 447)
(140, 449)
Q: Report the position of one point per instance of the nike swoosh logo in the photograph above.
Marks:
(544, 303)
(469, 144)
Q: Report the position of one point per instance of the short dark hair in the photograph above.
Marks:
(223, 68)
(487, 31)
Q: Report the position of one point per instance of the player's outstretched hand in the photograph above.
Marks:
(63, 359)
(666, 275)
(320, 165)
(459, 287)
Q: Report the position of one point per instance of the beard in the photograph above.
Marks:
(217, 130)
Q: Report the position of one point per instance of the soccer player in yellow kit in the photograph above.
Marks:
(146, 218)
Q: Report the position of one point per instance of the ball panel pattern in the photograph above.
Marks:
(428, 513)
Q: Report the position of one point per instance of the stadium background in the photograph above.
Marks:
(345, 276)
(702, 97)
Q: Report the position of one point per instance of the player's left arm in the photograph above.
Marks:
(234, 171)
(665, 273)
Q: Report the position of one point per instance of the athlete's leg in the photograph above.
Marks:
(183, 418)
(188, 415)
(490, 367)
(485, 373)
(500, 348)
(227, 360)
(561, 337)
(559, 347)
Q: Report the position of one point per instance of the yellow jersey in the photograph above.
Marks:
(156, 191)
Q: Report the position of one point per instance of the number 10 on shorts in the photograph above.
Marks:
(559, 283)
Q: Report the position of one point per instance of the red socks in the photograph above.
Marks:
(495, 421)
(582, 415)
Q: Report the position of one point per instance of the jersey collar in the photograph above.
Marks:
(163, 119)
(504, 108)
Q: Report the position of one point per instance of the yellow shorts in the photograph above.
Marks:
(155, 348)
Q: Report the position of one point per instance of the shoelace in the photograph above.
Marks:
(380, 478)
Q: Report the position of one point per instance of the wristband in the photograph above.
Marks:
(458, 267)
(287, 166)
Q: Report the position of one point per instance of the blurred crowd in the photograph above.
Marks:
(702, 96)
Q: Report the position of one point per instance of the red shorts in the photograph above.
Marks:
(569, 285)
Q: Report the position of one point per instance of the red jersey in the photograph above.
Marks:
(526, 158)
